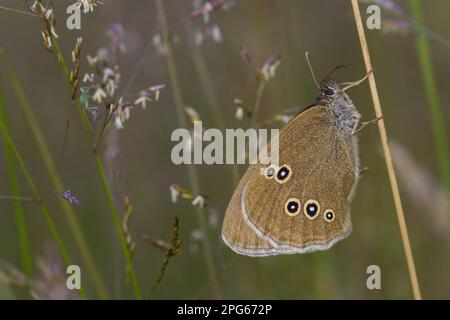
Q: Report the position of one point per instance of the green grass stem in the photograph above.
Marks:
(57, 183)
(46, 215)
(101, 171)
(14, 188)
(435, 109)
(192, 173)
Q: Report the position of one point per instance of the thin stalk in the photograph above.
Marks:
(101, 171)
(431, 91)
(387, 153)
(56, 181)
(427, 33)
(206, 84)
(192, 173)
(16, 198)
(15, 192)
(257, 105)
(26, 13)
(41, 206)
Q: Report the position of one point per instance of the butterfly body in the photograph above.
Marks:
(302, 205)
(339, 103)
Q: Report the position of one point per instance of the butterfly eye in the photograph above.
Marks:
(312, 208)
(329, 215)
(283, 174)
(292, 207)
(329, 92)
(270, 172)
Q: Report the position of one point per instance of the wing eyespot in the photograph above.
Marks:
(292, 207)
(329, 215)
(270, 171)
(311, 209)
(283, 174)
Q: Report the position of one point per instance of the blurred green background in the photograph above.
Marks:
(266, 28)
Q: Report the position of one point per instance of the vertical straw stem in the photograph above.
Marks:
(387, 153)
(192, 173)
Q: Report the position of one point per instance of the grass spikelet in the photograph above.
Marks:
(175, 245)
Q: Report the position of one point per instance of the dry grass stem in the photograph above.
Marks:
(387, 153)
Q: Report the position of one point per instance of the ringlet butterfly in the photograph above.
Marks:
(303, 205)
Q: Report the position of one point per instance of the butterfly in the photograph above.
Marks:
(303, 204)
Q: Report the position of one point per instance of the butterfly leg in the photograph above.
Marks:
(348, 85)
(364, 124)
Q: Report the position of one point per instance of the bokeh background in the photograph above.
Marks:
(211, 76)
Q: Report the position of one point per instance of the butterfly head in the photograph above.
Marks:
(329, 90)
(332, 92)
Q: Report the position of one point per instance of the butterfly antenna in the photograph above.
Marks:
(311, 69)
(334, 69)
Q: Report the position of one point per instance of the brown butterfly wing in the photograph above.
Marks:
(236, 232)
(323, 161)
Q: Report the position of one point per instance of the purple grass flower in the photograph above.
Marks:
(245, 54)
(70, 198)
(116, 33)
(390, 5)
(95, 112)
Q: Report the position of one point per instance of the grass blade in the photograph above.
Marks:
(15, 192)
(56, 180)
(437, 117)
(36, 193)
